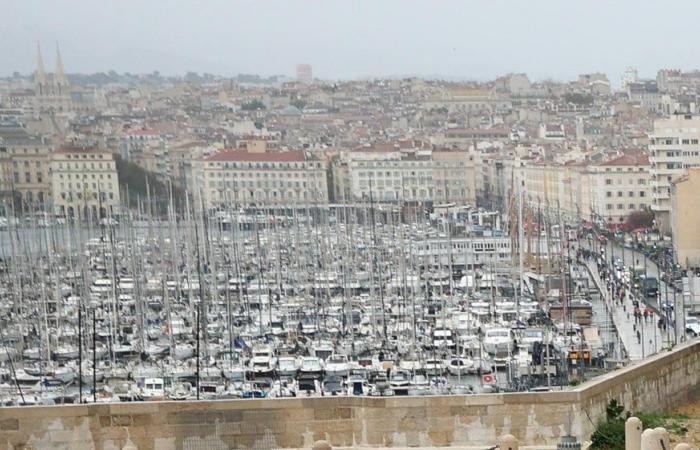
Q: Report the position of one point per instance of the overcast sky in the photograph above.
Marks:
(353, 38)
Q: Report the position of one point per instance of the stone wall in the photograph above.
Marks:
(662, 382)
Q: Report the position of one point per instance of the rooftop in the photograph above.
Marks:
(243, 155)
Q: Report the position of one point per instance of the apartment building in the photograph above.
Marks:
(685, 217)
(619, 186)
(247, 177)
(24, 174)
(84, 183)
(674, 147)
(424, 175)
(608, 190)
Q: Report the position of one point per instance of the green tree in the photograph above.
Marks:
(578, 98)
(133, 179)
(298, 103)
(255, 105)
(640, 218)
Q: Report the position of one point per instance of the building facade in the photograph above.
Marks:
(242, 177)
(24, 171)
(674, 147)
(685, 217)
(618, 187)
(84, 183)
(424, 176)
(605, 191)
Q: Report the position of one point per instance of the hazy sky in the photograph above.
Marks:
(354, 38)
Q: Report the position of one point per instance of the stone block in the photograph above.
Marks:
(122, 420)
(9, 425)
(326, 414)
(341, 438)
(439, 438)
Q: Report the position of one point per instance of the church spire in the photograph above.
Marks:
(60, 76)
(40, 75)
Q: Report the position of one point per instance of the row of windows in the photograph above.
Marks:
(640, 181)
(264, 165)
(28, 177)
(674, 153)
(423, 194)
(397, 164)
(260, 195)
(107, 186)
(629, 169)
(672, 141)
(78, 177)
(262, 184)
(629, 194)
(263, 175)
(85, 156)
(85, 166)
(79, 195)
(610, 206)
(26, 164)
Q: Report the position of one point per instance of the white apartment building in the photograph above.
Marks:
(609, 190)
(84, 183)
(421, 176)
(619, 186)
(239, 176)
(674, 147)
(24, 169)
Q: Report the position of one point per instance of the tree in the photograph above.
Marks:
(578, 99)
(640, 218)
(133, 177)
(254, 105)
(298, 103)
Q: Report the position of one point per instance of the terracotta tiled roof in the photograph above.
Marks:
(628, 159)
(246, 156)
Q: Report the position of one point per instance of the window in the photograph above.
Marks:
(630, 194)
(642, 194)
(608, 181)
(608, 194)
(608, 206)
(694, 141)
(685, 141)
(631, 206)
(620, 206)
(619, 193)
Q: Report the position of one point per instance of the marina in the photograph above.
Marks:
(282, 302)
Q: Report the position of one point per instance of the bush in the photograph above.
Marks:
(610, 433)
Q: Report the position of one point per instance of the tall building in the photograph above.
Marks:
(685, 216)
(24, 177)
(84, 182)
(674, 147)
(51, 92)
(304, 74)
(387, 173)
(244, 177)
(629, 76)
(608, 190)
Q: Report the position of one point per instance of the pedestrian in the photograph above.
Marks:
(646, 315)
(634, 326)
(639, 337)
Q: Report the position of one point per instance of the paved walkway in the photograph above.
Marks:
(649, 340)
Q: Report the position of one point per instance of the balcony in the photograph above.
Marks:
(663, 195)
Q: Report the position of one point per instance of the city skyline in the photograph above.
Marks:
(354, 40)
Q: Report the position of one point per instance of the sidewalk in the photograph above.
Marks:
(623, 317)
